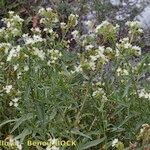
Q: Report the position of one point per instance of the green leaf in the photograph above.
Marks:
(22, 136)
(2, 3)
(125, 120)
(76, 131)
(8, 121)
(126, 91)
(53, 114)
(91, 144)
(21, 120)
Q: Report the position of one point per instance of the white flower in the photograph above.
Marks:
(32, 40)
(100, 92)
(15, 100)
(132, 23)
(53, 142)
(55, 55)
(49, 63)
(93, 58)
(17, 18)
(75, 34)
(50, 31)
(37, 29)
(140, 30)
(109, 49)
(37, 38)
(89, 47)
(5, 47)
(41, 10)
(100, 54)
(14, 52)
(17, 143)
(11, 103)
(137, 50)
(39, 53)
(8, 88)
(73, 18)
(19, 75)
(127, 45)
(121, 71)
(101, 49)
(103, 24)
(15, 32)
(8, 24)
(125, 72)
(144, 94)
(11, 12)
(63, 25)
(114, 142)
(49, 9)
(117, 52)
(117, 26)
(19, 146)
(147, 95)
(26, 68)
(89, 23)
(16, 67)
(141, 130)
(16, 104)
(124, 40)
(92, 65)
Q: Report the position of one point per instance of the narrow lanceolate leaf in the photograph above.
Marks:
(22, 136)
(91, 144)
(8, 121)
(76, 131)
(21, 120)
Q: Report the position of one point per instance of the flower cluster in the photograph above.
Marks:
(49, 17)
(125, 47)
(38, 52)
(134, 27)
(14, 53)
(17, 143)
(14, 102)
(53, 143)
(54, 56)
(72, 20)
(75, 34)
(107, 29)
(122, 72)
(13, 26)
(5, 47)
(8, 88)
(144, 94)
(90, 25)
(96, 57)
(144, 135)
(32, 40)
(114, 142)
(117, 144)
(100, 93)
